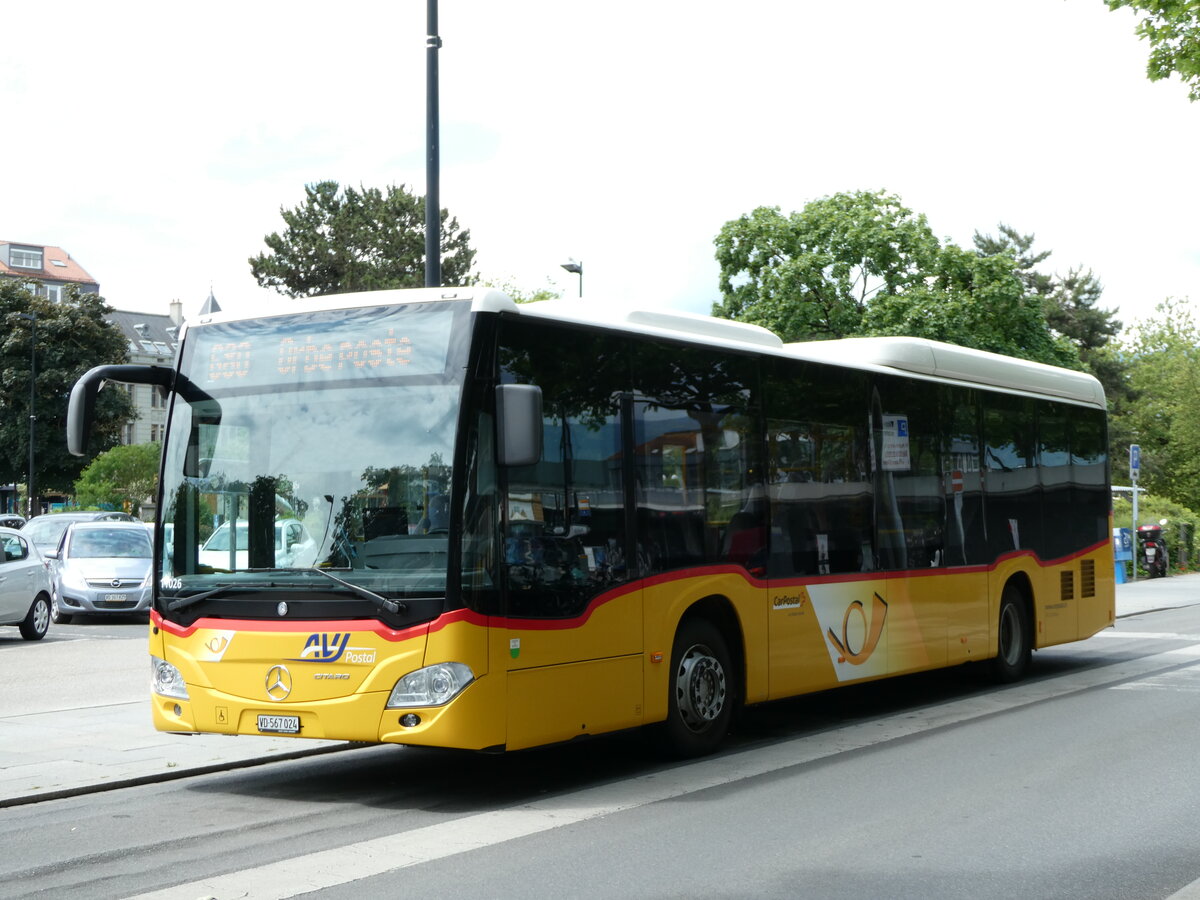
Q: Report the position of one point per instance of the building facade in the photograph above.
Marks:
(152, 340)
(46, 270)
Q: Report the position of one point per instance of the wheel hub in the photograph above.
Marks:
(700, 692)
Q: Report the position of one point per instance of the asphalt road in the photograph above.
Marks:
(1078, 782)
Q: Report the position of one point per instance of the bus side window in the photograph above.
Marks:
(818, 479)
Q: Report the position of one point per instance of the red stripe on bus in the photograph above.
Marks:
(517, 624)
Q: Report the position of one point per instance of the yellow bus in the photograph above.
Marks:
(438, 517)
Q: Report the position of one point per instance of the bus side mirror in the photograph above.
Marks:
(81, 410)
(518, 424)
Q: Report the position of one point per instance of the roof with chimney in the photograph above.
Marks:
(148, 334)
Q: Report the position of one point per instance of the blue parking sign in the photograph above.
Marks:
(1135, 457)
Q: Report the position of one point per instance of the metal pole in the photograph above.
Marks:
(433, 204)
(32, 492)
(1136, 545)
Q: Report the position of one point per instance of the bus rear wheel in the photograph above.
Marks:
(700, 706)
(1014, 644)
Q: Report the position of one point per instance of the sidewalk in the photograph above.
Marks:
(46, 755)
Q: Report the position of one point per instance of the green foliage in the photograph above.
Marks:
(119, 478)
(1173, 29)
(812, 274)
(1164, 372)
(1069, 303)
(1152, 509)
(72, 337)
(973, 301)
(1020, 247)
(864, 264)
(357, 240)
(551, 291)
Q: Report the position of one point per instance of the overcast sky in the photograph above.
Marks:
(157, 142)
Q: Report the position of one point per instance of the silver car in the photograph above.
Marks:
(47, 529)
(24, 586)
(101, 567)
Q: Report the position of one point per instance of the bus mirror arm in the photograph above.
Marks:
(518, 424)
(81, 410)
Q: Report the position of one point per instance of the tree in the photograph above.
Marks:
(550, 292)
(811, 275)
(1020, 248)
(357, 240)
(120, 478)
(864, 264)
(1164, 370)
(1173, 29)
(972, 301)
(72, 337)
(1070, 305)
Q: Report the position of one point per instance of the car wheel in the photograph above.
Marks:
(57, 615)
(37, 620)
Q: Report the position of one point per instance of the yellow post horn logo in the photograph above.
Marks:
(873, 629)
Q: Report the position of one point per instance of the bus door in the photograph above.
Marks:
(571, 605)
(910, 522)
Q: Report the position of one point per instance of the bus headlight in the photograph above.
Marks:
(166, 680)
(431, 686)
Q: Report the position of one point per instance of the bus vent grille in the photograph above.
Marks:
(1067, 580)
(1087, 578)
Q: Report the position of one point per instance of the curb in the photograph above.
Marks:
(171, 775)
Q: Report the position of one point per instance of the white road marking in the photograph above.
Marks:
(329, 868)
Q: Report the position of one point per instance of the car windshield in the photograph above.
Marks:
(45, 531)
(103, 543)
(320, 446)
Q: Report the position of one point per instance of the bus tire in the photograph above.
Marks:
(702, 690)
(1014, 644)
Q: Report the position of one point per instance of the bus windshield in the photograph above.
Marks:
(312, 453)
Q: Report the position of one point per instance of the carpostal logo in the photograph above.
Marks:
(327, 648)
(798, 600)
(872, 629)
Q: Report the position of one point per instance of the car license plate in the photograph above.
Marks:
(115, 598)
(279, 724)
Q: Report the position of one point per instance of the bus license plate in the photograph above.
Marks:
(279, 724)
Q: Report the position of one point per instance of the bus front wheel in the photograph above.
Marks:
(702, 693)
(1014, 645)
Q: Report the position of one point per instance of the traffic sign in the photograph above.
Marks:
(1135, 459)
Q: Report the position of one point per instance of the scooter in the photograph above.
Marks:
(1153, 549)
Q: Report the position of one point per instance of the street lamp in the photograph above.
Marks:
(31, 317)
(575, 268)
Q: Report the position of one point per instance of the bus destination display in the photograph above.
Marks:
(292, 350)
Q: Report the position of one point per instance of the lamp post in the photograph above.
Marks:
(433, 203)
(31, 317)
(575, 268)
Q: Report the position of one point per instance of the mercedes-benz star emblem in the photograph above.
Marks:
(281, 609)
(279, 682)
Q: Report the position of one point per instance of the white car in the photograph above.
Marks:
(294, 546)
(24, 586)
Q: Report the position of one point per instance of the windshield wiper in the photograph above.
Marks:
(179, 603)
(380, 601)
(395, 607)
